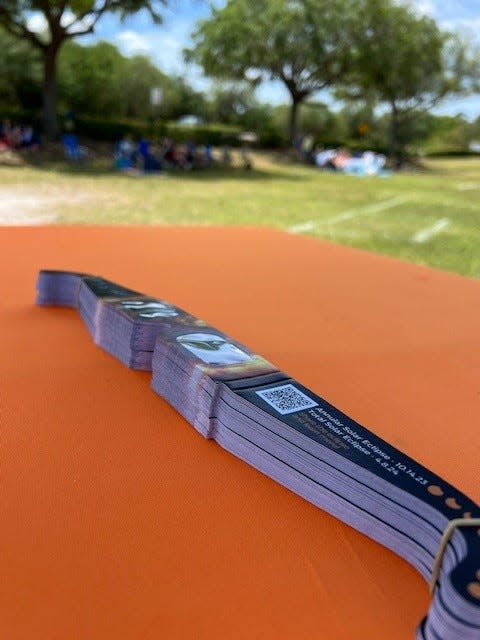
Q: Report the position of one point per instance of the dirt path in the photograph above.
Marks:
(24, 208)
(20, 206)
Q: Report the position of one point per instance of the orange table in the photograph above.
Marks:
(120, 522)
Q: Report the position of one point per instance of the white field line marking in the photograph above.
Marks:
(425, 234)
(304, 226)
(347, 215)
(467, 186)
(363, 211)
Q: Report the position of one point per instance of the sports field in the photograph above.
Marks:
(429, 215)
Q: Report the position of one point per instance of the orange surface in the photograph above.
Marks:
(120, 522)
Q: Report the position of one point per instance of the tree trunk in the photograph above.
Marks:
(50, 124)
(393, 138)
(292, 124)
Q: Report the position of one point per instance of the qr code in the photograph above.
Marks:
(286, 399)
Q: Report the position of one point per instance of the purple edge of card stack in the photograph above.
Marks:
(206, 375)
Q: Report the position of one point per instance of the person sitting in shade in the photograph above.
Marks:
(149, 163)
(126, 154)
(30, 138)
(208, 154)
(72, 148)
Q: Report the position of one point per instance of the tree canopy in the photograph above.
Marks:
(380, 52)
(63, 19)
(303, 44)
(405, 62)
(20, 73)
(387, 64)
(98, 79)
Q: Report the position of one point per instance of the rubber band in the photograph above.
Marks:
(447, 534)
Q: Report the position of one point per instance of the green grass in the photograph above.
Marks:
(377, 214)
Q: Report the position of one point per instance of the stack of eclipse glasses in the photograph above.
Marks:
(272, 422)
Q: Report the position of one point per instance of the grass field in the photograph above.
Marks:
(429, 216)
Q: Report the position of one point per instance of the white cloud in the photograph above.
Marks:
(169, 52)
(69, 20)
(164, 48)
(424, 7)
(463, 25)
(273, 92)
(131, 42)
(468, 107)
(37, 23)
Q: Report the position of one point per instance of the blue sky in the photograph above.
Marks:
(164, 44)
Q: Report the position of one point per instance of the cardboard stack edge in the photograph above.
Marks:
(272, 422)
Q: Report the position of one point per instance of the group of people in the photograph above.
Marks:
(361, 163)
(364, 163)
(18, 136)
(145, 157)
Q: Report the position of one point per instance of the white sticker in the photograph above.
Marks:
(213, 349)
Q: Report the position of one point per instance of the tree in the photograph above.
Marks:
(90, 79)
(181, 99)
(302, 43)
(407, 63)
(329, 127)
(235, 103)
(98, 80)
(20, 74)
(64, 19)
